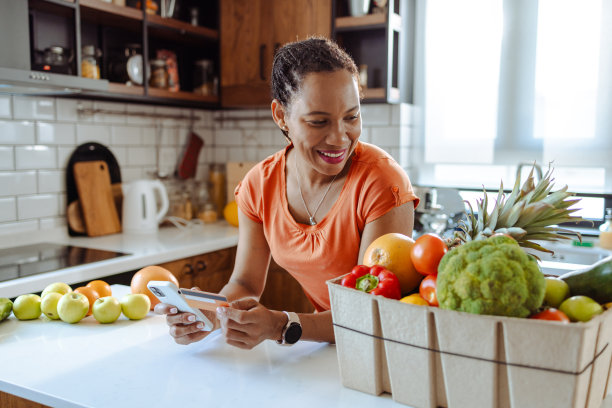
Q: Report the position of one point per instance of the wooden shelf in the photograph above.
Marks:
(374, 93)
(367, 21)
(182, 95)
(177, 29)
(109, 10)
(124, 89)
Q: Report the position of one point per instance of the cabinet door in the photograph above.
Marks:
(212, 271)
(251, 31)
(183, 270)
(283, 292)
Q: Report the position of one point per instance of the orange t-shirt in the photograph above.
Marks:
(313, 254)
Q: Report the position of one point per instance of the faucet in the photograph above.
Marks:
(535, 165)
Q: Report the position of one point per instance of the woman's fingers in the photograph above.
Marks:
(163, 308)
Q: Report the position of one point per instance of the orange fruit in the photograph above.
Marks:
(230, 213)
(149, 273)
(91, 295)
(393, 251)
(101, 287)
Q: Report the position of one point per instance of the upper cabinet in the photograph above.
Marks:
(380, 40)
(250, 33)
(163, 51)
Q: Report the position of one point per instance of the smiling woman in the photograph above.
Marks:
(315, 206)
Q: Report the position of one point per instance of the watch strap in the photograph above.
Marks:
(293, 320)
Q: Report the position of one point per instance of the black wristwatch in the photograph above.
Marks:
(292, 331)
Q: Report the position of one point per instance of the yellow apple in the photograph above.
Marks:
(72, 307)
(27, 307)
(135, 306)
(49, 305)
(58, 287)
(106, 309)
(6, 307)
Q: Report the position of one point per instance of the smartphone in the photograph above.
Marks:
(188, 300)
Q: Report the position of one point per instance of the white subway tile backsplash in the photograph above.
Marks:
(51, 181)
(131, 173)
(56, 133)
(169, 136)
(15, 183)
(134, 118)
(35, 157)
(18, 227)
(67, 110)
(53, 222)
(37, 206)
(220, 155)
(120, 154)
(141, 156)
(150, 135)
(26, 107)
(365, 134)
(7, 158)
(228, 137)
(108, 117)
(126, 135)
(93, 133)
(375, 114)
(5, 106)
(387, 136)
(63, 155)
(17, 132)
(8, 209)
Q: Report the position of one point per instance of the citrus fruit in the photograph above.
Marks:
(393, 251)
(580, 308)
(151, 273)
(230, 212)
(101, 287)
(91, 295)
(557, 290)
(414, 299)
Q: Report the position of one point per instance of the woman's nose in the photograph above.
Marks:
(338, 133)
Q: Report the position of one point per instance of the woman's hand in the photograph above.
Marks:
(184, 327)
(246, 323)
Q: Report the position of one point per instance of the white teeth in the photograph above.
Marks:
(334, 155)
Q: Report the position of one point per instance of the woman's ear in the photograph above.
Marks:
(278, 114)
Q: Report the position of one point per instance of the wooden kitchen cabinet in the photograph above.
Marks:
(211, 271)
(250, 33)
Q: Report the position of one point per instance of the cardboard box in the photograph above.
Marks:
(430, 357)
(235, 173)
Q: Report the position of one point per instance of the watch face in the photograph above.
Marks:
(293, 333)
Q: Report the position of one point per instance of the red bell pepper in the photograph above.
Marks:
(375, 280)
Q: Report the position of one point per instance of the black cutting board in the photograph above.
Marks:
(90, 151)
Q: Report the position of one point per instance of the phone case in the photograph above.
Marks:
(187, 300)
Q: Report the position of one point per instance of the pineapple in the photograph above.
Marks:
(531, 212)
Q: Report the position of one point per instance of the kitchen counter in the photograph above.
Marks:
(170, 243)
(137, 364)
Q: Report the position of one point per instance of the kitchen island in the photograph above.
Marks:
(137, 364)
(168, 244)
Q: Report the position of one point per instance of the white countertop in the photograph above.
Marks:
(137, 364)
(170, 243)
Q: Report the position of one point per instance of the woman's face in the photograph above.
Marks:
(324, 121)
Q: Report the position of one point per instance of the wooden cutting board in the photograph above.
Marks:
(74, 213)
(96, 197)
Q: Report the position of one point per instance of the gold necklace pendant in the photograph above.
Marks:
(311, 219)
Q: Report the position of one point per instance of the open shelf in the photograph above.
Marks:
(124, 89)
(173, 29)
(108, 13)
(182, 95)
(363, 22)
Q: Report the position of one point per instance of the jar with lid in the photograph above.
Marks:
(89, 64)
(605, 231)
(207, 211)
(203, 77)
(159, 74)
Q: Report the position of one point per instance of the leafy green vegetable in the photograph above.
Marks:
(494, 276)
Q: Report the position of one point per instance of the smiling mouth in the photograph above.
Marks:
(332, 155)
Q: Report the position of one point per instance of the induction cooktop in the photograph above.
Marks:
(18, 262)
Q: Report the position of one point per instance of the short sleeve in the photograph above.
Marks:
(248, 195)
(386, 186)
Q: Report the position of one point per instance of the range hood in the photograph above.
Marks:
(26, 82)
(16, 75)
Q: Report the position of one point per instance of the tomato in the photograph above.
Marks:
(426, 253)
(427, 289)
(551, 314)
(414, 299)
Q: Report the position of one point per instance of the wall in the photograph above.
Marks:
(38, 135)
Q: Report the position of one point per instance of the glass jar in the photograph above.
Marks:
(159, 74)
(217, 190)
(89, 64)
(203, 77)
(605, 231)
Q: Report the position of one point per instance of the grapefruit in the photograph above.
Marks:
(149, 273)
(393, 251)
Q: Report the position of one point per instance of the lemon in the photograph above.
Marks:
(414, 299)
(230, 212)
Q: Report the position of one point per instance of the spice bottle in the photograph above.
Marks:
(159, 74)
(89, 65)
(217, 181)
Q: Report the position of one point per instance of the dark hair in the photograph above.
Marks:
(293, 61)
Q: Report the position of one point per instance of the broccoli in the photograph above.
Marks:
(493, 276)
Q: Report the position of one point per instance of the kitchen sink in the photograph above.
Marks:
(568, 257)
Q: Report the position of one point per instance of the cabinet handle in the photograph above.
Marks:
(262, 52)
(201, 266)
(187, 269)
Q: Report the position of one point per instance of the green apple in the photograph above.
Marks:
(58, 287)
(6, 307)
(135, 306)
(27, 307)
(106, 309)
(580, 308)
(557, 290)
(49, 305)
(72, 307)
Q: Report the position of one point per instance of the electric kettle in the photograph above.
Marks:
(140, 206)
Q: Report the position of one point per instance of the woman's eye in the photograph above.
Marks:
(317, 122)
(353, 117)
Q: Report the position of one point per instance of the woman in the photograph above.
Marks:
(315, 206)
